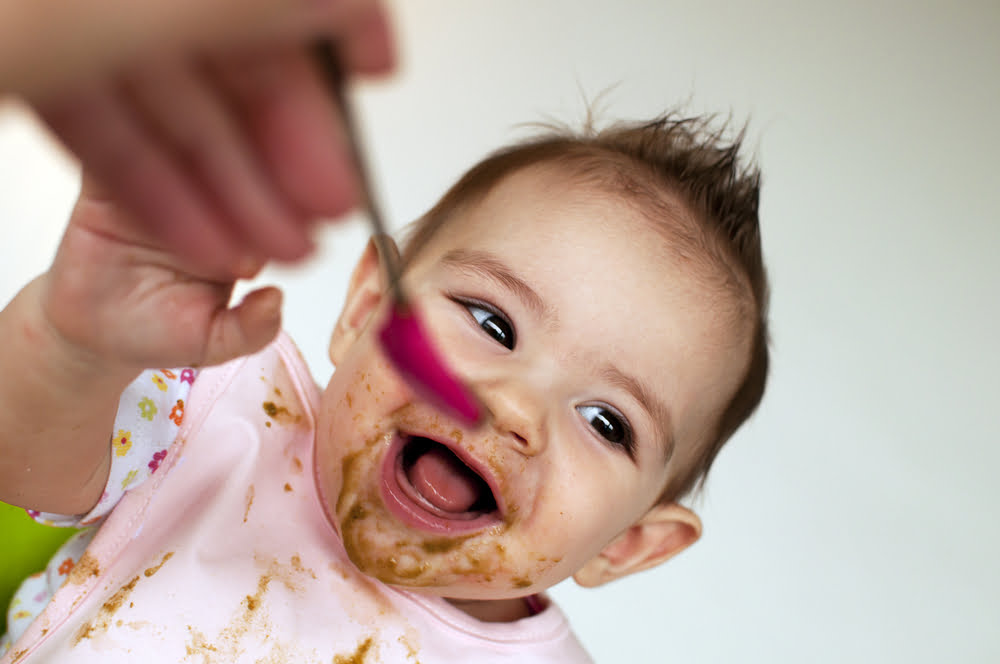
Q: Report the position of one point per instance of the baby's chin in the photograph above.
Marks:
(451, 582)
(486, 565)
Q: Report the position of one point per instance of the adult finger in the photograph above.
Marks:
(207, 140)
(366, 44)
(295, 124)
(91, 39)
(116, 149)
(244, 329)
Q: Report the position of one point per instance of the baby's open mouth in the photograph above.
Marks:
(428, 486)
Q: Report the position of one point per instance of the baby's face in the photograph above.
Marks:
(594, 352)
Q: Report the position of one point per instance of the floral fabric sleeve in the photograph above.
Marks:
(150, 412)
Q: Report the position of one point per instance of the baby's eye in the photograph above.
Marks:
(494, 322)
(609, 425)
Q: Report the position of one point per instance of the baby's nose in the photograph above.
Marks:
(516, 414)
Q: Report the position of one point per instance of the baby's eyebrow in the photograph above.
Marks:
(491, 267)
(654, 406)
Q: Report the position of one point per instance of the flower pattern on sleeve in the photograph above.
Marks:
(150, 413)
(122, 442)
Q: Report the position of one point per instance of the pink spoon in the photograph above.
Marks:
(403, 337)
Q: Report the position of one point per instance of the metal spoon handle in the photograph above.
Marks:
(329, 61)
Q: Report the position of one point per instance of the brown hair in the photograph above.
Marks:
(689, 179)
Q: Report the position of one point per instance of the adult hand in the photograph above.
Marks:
(206, 119)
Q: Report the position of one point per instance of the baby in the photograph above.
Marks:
(604, 296)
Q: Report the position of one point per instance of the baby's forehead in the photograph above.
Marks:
(655, 217)
(556, 182)
(663, 245)
(659, 215)
(635, 204)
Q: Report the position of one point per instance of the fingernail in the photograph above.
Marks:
(248, 266)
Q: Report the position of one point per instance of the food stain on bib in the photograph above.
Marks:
(280, 414)
(358, 656)
(150, 571)
(249, 500)
(250, 626)
(102, 621)
(86, 568)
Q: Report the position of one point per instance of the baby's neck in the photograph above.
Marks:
(498, 610)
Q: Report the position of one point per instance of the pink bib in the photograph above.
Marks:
(225, 555)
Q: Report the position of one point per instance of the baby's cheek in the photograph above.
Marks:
(348, 424)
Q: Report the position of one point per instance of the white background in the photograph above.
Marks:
(855, 518)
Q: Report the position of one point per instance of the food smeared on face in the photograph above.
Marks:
(433, 519)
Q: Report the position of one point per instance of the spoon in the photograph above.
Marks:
(403, 337)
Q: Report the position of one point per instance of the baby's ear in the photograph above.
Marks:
(364, 293)
(664, 531)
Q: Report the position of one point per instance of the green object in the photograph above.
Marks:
(25, 548)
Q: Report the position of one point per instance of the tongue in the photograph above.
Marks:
(444, 481)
